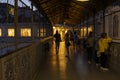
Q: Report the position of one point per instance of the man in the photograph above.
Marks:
(103, 44)
(57, 37)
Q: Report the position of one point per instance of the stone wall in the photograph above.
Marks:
(115, 56)
(23, 63)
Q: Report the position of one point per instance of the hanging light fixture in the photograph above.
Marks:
(82, 0)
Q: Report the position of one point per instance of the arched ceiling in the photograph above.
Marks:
(69, 11)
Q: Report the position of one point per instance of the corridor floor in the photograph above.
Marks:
(74, 67)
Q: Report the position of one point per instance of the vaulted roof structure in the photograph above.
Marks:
(70, 11)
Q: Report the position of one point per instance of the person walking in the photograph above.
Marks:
(57, 37)
(76, 41)
(67, 43)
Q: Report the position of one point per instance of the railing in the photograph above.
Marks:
(23, 63)
(7, 44)
(6, 47)
(20, 24)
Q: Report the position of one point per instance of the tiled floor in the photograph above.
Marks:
(59, 67)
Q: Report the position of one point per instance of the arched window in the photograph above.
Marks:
(115, 26)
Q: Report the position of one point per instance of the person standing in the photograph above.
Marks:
(96, 56)
(57, 37)
(103, 44)
(89, 46)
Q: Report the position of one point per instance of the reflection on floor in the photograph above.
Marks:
(59, 67)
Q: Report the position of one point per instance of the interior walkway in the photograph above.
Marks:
(59, 67)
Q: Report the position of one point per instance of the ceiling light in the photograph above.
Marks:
(82, 0)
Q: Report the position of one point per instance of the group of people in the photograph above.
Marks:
(70, 38)
(94, 46)
(99, 47)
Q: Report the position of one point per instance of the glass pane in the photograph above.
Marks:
(42, 32)
(26, 32)
(11, 32)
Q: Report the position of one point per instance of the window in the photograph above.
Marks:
(42, 32)
(11, 10)
(26, 32)
(0, 32)
(115, 26)
(11, 32)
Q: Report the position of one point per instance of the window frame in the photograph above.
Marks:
(28, 32)
(42, 32)
(13, 32)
